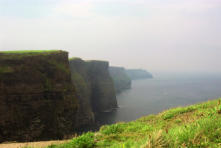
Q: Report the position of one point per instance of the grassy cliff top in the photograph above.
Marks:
(99, 62)
(27, 52)
(87, 61)
(75, 58)
(197, 125)
(16, 54)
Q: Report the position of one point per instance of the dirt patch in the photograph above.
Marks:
(40, 144)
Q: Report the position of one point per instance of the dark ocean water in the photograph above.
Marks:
(151, 96)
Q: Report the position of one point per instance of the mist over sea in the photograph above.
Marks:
(151, 96)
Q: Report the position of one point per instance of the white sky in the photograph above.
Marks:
(157, 35)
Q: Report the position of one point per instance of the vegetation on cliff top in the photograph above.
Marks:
(75, 58)
(17, 54)
(192, 126)
(20, 54)
(28, 51)
(135, 74)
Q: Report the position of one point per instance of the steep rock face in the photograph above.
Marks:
(94, 87)
(103, 93)
(37, 98)
(81, 81)
(120, 78)
(135, 74)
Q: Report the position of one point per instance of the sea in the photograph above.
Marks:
(151, 96)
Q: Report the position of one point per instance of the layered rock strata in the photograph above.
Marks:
(37, 98)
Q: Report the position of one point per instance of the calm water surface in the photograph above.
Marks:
(151, 96)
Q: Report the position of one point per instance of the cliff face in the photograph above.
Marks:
(94, 88)
(81, 81)
(135, 74)
(120, 78)
(103, 93)
(37, 98)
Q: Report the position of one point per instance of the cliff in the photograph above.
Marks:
(191, 126)
(138, 74)
(94, 87)
(81, 81)
(120, 78)
(37, 98)
(103, 94)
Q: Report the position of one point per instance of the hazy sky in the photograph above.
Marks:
(158, 35)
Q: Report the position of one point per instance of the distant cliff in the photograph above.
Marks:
(138, 74)
(37, 98)
(121, 80)
(81, 81)
(103, 94)
(94, 87)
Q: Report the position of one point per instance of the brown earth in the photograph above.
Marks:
(40, 144)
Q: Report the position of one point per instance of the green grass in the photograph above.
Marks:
(75, 58)
(195, 126)
(18, 54)
(28, 51)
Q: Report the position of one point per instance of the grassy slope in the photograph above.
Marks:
(192, 126)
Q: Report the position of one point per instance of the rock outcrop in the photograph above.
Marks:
(135, 74)
(94, 87)
(120, 78)
(37, 98)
